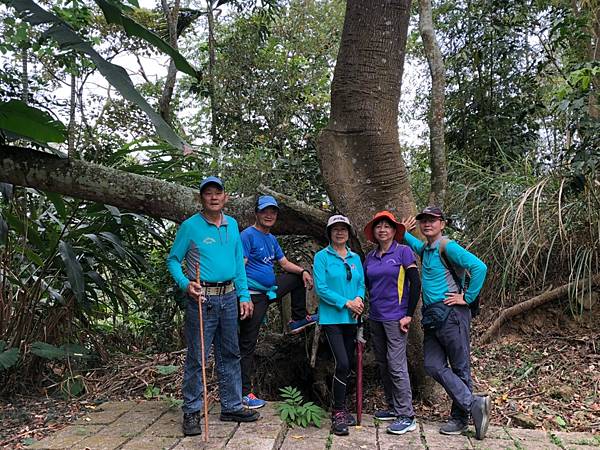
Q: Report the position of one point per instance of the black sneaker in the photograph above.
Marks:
(480, 411)
(191, 424)
(350, 419)
(241, 415)
(385, 415)
(454, 426)
(339, 427)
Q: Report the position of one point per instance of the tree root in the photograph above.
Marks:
(534, 302)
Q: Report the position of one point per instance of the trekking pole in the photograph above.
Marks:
(360, 347)
(203, 362)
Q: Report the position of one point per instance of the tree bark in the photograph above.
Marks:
(359, 150)
(437, 146)
(71, 128)
(142, 194)
(212, 60)
(171, 15)
(24, 75)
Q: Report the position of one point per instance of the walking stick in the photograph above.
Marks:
(205, 437)
(360, 346)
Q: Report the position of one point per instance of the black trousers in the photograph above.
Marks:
(249, 328)
(341, 340)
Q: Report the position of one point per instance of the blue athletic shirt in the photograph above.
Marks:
(436, 280)
(261, 250)
(333, 287)
(218, 249)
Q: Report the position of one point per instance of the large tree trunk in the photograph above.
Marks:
(437, 146)
(141, 194)
(359, 151)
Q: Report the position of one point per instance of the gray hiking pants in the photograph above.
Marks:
(447, 354)
(389, 344)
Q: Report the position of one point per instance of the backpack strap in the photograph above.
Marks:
(448, 265)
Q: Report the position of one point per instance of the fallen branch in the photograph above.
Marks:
(142, 194)
(534, 302)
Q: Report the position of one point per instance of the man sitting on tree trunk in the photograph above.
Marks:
(447, 319)
(209, 243)
(261, 250)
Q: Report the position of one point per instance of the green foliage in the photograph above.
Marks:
(64, 35)
(8, 356)
(49, 351)
(72, 386)
(114, 14)
(151, 392)
(294, 411)
(167, 370)
(30, 123)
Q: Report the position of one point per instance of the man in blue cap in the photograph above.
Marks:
(210, 241)
(261, 250)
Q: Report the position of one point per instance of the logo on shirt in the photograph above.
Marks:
(391, 261)
(209, 241)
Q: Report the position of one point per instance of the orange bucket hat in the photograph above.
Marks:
(400, 229)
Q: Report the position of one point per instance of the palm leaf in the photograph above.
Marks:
(73, 269)
(114, 15)
(31, 123)
(62, 33)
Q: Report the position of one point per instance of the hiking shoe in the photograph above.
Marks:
(402, 425)
(384, 415)
(454, 426)
(350, 419)
(296, 326)
(339, 427)
(191, 424)
(251, 401)
(241, 415)
(480, 411)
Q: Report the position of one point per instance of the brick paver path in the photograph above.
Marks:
(152, 425)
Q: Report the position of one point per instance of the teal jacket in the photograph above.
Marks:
(332, 286)
(436, 280)
(218, 249)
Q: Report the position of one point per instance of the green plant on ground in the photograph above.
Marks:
(151, 392)
(294, 411)
(556, 440)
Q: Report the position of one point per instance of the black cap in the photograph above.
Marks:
(431, 211)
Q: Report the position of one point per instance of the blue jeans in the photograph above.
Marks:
(220, 314)
(447, 354)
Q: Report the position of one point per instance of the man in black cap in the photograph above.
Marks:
(447, 318)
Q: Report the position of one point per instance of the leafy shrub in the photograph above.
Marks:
(294, 412)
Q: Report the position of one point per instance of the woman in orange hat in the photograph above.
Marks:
(392, 279)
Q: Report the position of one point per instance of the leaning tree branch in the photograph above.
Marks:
(536, 301)
(142, 194)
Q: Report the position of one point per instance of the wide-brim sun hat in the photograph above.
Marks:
(384, 215)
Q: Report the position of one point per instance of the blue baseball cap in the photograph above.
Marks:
(211, 180)
(264, 201)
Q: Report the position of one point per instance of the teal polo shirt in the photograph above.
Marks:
(436, 280)
(218, 250)
(333, 287)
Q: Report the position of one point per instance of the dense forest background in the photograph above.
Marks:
(245, 93)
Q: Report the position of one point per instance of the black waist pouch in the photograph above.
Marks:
(434, 316)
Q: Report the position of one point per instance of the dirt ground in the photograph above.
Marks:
(542, 372)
